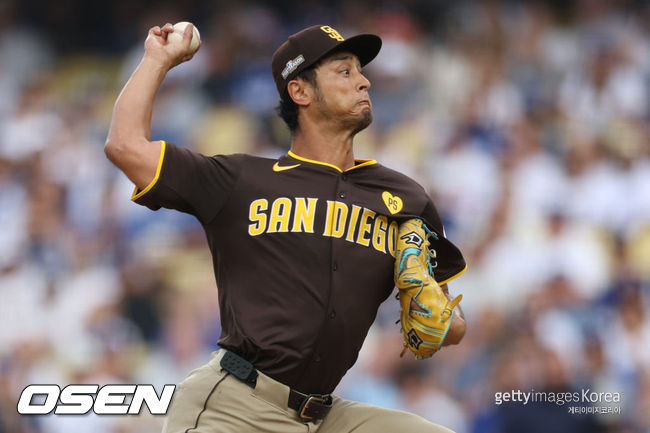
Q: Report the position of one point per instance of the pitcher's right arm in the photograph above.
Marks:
(129, 144)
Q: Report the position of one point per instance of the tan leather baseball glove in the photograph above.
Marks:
(426, 312)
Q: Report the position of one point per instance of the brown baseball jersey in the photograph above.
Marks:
(303, 252)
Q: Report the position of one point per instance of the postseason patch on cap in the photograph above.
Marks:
(292, 65)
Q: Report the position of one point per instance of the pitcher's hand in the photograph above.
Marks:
(168, 54)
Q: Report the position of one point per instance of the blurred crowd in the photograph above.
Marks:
(527, 121)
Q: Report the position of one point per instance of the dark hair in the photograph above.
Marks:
(287, 109)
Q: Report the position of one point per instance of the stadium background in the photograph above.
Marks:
(528, 122)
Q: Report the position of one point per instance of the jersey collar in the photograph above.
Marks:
(358, 163)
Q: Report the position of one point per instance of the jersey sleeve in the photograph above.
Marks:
(449, 261)
(190, 182)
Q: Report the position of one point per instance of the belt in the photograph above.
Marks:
(310, 407)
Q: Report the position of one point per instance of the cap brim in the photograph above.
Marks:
(365, 47)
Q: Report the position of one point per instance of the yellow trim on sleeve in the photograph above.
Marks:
(136, 195)
(364, 162)
(442, 283)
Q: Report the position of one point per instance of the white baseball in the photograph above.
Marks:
(177, 36)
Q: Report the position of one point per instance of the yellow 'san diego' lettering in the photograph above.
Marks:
(353, 223)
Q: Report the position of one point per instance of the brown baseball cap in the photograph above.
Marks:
(308, 46)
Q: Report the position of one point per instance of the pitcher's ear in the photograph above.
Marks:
(300, 91)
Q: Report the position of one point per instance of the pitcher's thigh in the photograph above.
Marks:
(190, 397)
(350, 416)
(210, 401)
